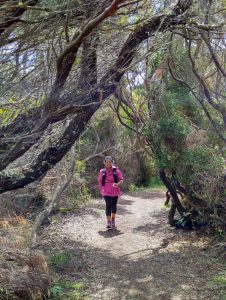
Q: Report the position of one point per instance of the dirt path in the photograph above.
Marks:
(142, 259)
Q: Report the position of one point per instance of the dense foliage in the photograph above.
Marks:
(160, 65)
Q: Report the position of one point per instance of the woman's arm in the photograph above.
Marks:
(120, 178)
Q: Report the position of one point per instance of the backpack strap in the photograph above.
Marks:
(115, 175)
(103, 176)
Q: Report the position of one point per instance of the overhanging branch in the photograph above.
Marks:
(49, 157)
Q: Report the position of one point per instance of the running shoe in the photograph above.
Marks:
(109, 225)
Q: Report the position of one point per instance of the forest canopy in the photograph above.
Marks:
(161, 64)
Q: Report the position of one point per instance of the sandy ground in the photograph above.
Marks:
(143, 258)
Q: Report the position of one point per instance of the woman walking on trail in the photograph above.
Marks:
(110, 180)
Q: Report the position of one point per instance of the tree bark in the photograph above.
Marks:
(171, 214)
(173, 193)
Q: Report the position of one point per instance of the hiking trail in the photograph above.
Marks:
(143, 258)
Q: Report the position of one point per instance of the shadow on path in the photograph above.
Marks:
(148, 274)
(145, 261)
(110, 233)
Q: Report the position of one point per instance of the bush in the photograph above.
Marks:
(76, 197)
(201, 172)
(154, 182)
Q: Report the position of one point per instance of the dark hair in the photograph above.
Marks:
(108, 158)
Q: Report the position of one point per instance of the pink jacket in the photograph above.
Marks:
(108, 189)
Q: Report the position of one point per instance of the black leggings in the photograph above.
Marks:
(111, 205)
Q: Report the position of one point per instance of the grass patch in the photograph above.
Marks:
(220, 279)
(154, 182)
(4, 293)
(133, 188)
(60, 260)
(220, 233)
(65, 290)
(13, 221)
(151, 183)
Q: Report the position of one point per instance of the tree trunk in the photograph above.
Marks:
(175, 200)
(171, 214)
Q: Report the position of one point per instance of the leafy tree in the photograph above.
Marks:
(184, 132)
(52, 58)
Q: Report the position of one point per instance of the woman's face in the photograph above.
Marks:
(108, 164)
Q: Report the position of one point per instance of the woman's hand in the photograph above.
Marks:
(117, 184)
